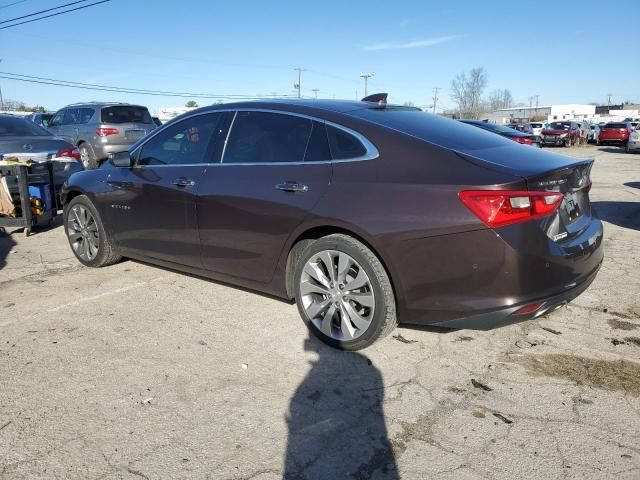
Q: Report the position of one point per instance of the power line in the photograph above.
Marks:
(112, 89)
(12, 4)
(54, 14)
(43, 11)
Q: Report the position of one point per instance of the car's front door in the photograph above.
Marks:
(152, 206)
(57, 125)
(275, 168)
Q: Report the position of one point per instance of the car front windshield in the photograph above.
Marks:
(19, 127)
(559, 126)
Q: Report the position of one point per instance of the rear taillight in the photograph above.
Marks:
(497, 208)
(69, 153)
(523, 140)
(105, 132)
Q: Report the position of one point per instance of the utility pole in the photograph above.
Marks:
(297, 86)
(1, 99)
(366, 77)
(530, 105)
(316, 90)
(537, 103)
(435, 98)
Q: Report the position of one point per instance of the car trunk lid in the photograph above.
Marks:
(36, 148)
(548, 172)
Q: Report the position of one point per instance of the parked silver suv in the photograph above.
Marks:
(99, 129)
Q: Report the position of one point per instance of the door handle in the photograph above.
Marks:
(183, 182)
(292, 187)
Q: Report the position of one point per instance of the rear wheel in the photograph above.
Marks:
(567, 142)
(86, 234)
(343, 293)
(88, 157)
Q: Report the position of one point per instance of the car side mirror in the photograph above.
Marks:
(121, 159)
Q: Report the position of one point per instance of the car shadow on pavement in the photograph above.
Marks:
(632, 184)
(612, 149)
(623, 214)
(336, 425)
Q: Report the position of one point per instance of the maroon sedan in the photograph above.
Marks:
(615, 134)
(365, 214)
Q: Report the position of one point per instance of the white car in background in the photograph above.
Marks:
(594, 133)
(537, 127)
(633, 144)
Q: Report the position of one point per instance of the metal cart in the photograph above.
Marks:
(19, 177)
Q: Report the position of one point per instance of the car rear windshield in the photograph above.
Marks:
(615, 125)
(434, 129)
(536, 125)
(19, 127)
(126, 114)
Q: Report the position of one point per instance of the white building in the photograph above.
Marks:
(572, 111)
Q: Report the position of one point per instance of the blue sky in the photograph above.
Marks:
(567, 52)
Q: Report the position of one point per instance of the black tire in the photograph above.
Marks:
(106, 252)
(88, 157)
(568, 143)
(384, 319)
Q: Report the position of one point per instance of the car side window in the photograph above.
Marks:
(344, 145)
(318, 145)
(265, 137)
(84, 115)
(57, 119)
(185, 142)
(70, 116)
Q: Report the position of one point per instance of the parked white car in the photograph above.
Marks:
(594, 133)
(537, 127)
(633, 144)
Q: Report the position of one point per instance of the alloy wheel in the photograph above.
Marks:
(83, 234)
(337, 295)
(84, 156)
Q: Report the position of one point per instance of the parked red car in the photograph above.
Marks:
(615, 133)
(561, 134)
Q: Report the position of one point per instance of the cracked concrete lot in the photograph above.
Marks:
(135, 372)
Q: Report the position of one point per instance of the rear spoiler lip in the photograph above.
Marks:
(483, 162)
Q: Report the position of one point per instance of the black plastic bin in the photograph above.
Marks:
(19, 177)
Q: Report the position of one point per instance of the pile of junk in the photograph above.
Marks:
(29, 191)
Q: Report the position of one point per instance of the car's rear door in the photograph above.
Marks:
(152, 206)
(275, 168)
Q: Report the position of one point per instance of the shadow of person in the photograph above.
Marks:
(6, 245)
(336, 426)
(623, 214)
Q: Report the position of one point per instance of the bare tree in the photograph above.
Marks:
(500, 98)
(467, 92)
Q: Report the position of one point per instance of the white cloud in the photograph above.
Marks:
(429, 42)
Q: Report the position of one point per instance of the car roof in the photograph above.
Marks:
(336, 106)
(102, 104)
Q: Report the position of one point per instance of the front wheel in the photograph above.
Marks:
(343, 293)
(568, 143)
(85, 232)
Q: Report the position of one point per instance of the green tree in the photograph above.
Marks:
(191, 104)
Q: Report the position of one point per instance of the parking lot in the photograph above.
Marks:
(133, 371)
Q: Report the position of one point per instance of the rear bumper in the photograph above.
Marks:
(505, 316)
(102, 150)
(479, 279)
